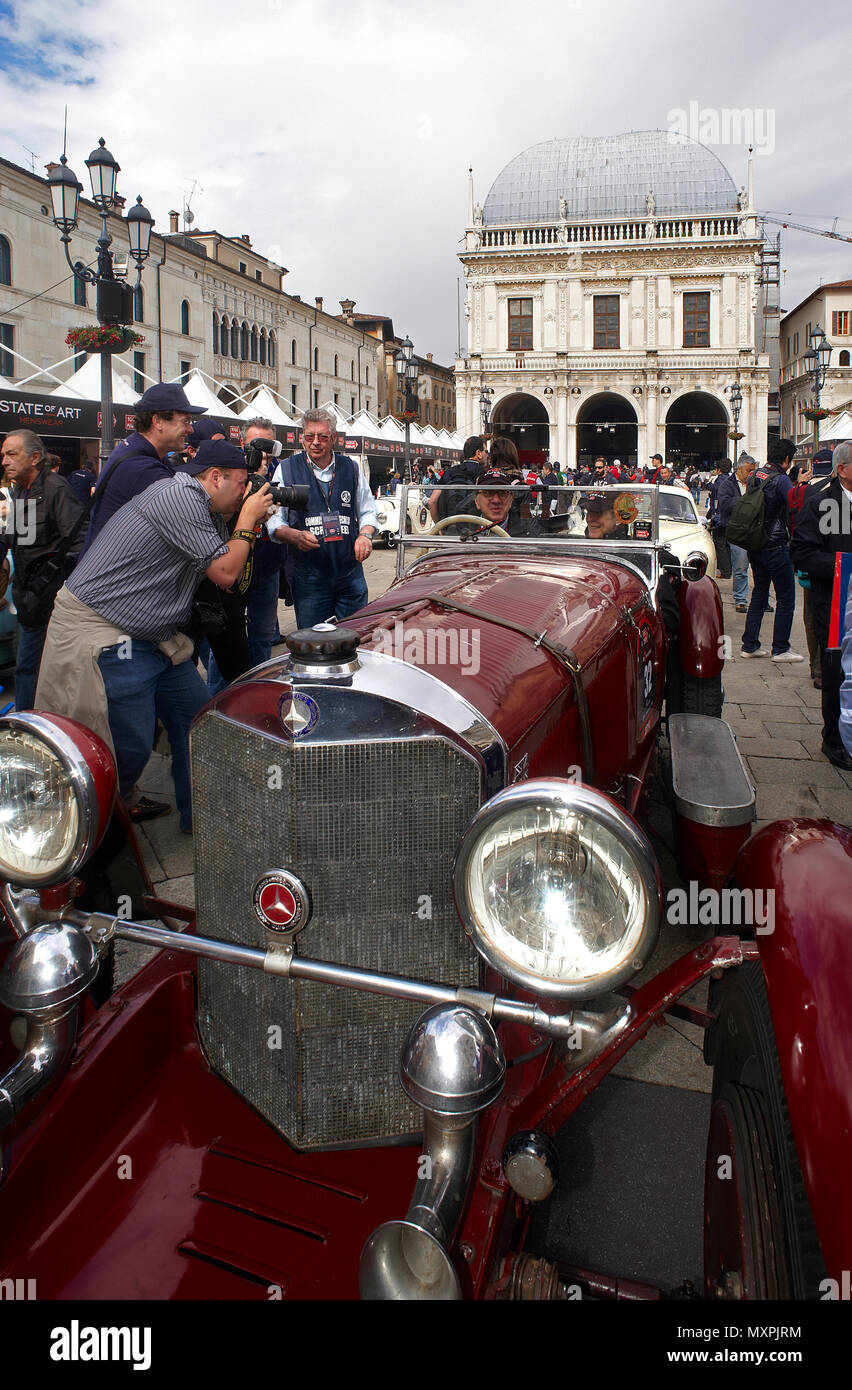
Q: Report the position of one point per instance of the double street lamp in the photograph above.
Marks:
(407, 372)
(816, 359)
(114, 304)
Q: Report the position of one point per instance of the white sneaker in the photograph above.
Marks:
(761, 651)
(787, 656)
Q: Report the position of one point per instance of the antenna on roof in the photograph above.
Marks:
(188, 214)
(33, 156)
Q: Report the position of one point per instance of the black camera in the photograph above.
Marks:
(296, 496)
(258, 450)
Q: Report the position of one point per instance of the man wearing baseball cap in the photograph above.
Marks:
(494, 506)
(163, 419)
(116, 655)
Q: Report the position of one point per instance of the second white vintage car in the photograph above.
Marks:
(418, 519)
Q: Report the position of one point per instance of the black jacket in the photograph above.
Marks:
(823, 529)
(56, 510)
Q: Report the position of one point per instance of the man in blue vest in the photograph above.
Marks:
(329, 540)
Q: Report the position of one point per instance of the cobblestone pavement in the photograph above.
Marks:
(774, 712)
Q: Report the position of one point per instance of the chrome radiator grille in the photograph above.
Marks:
(371, 829)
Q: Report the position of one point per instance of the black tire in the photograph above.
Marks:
(701, 695)
(781, 1256)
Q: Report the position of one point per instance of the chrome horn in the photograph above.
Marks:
(453, 1066)
(45, 976)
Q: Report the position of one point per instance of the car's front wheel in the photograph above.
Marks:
(701, 694)
(759, 1237)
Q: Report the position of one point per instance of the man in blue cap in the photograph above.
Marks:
(163, 419)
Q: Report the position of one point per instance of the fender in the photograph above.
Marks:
(807, 966)
(701, 628)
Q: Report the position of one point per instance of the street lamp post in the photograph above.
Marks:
(407, 371)
(114, 303)
(817, 358)
(735, 397)
(485, 408)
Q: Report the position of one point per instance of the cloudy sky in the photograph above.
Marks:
(339, 135)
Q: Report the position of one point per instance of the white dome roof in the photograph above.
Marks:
(610, 176)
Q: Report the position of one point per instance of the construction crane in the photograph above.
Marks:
(800, 227)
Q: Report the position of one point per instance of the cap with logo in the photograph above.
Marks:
(204, 429)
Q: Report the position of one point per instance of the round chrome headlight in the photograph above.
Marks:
(695, 565)
(56, 795)
(381, 517)
(558, 889)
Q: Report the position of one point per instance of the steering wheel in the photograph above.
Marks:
(466, 518)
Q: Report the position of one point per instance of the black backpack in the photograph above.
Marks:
(746, 524)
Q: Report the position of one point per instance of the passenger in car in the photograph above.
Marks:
(601, 521)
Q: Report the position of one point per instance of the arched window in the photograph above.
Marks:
(316, 359)
(235, 339)
(271, 350)
(215, 331)
(292, 352)
(184, 316)
(244, 341)
(5, 262)
(253, 343)
(843, 360)
(138, 304)
(263, 347)
(335, 364)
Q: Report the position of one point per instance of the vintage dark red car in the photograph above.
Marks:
(422, 891)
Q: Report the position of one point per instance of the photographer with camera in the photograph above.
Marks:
(43, 514)
(116, 655)
(329, 536)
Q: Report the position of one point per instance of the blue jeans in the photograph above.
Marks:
(739, 571)
(140, 687)
(262, 616)
(318, 597)
(30, 647)
(771, 565)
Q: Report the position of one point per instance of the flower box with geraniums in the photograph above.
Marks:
(103, 338)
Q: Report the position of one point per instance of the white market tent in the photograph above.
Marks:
(391, 429)
(836, 430)
(343, 424)
(200, 395)
(364, 423)
(6, 385)
(85, 384)
(263, 403)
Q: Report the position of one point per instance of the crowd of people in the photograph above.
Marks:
(125, 585)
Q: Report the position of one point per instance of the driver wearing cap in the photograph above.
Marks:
(495, 506)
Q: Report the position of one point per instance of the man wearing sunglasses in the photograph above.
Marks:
(327, 542)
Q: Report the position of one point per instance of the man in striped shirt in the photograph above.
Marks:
(115, 656)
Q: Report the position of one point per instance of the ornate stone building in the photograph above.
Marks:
(830, 308)
(611, 289)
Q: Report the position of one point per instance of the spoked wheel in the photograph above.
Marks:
(759, 1237)
(744, 1249)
